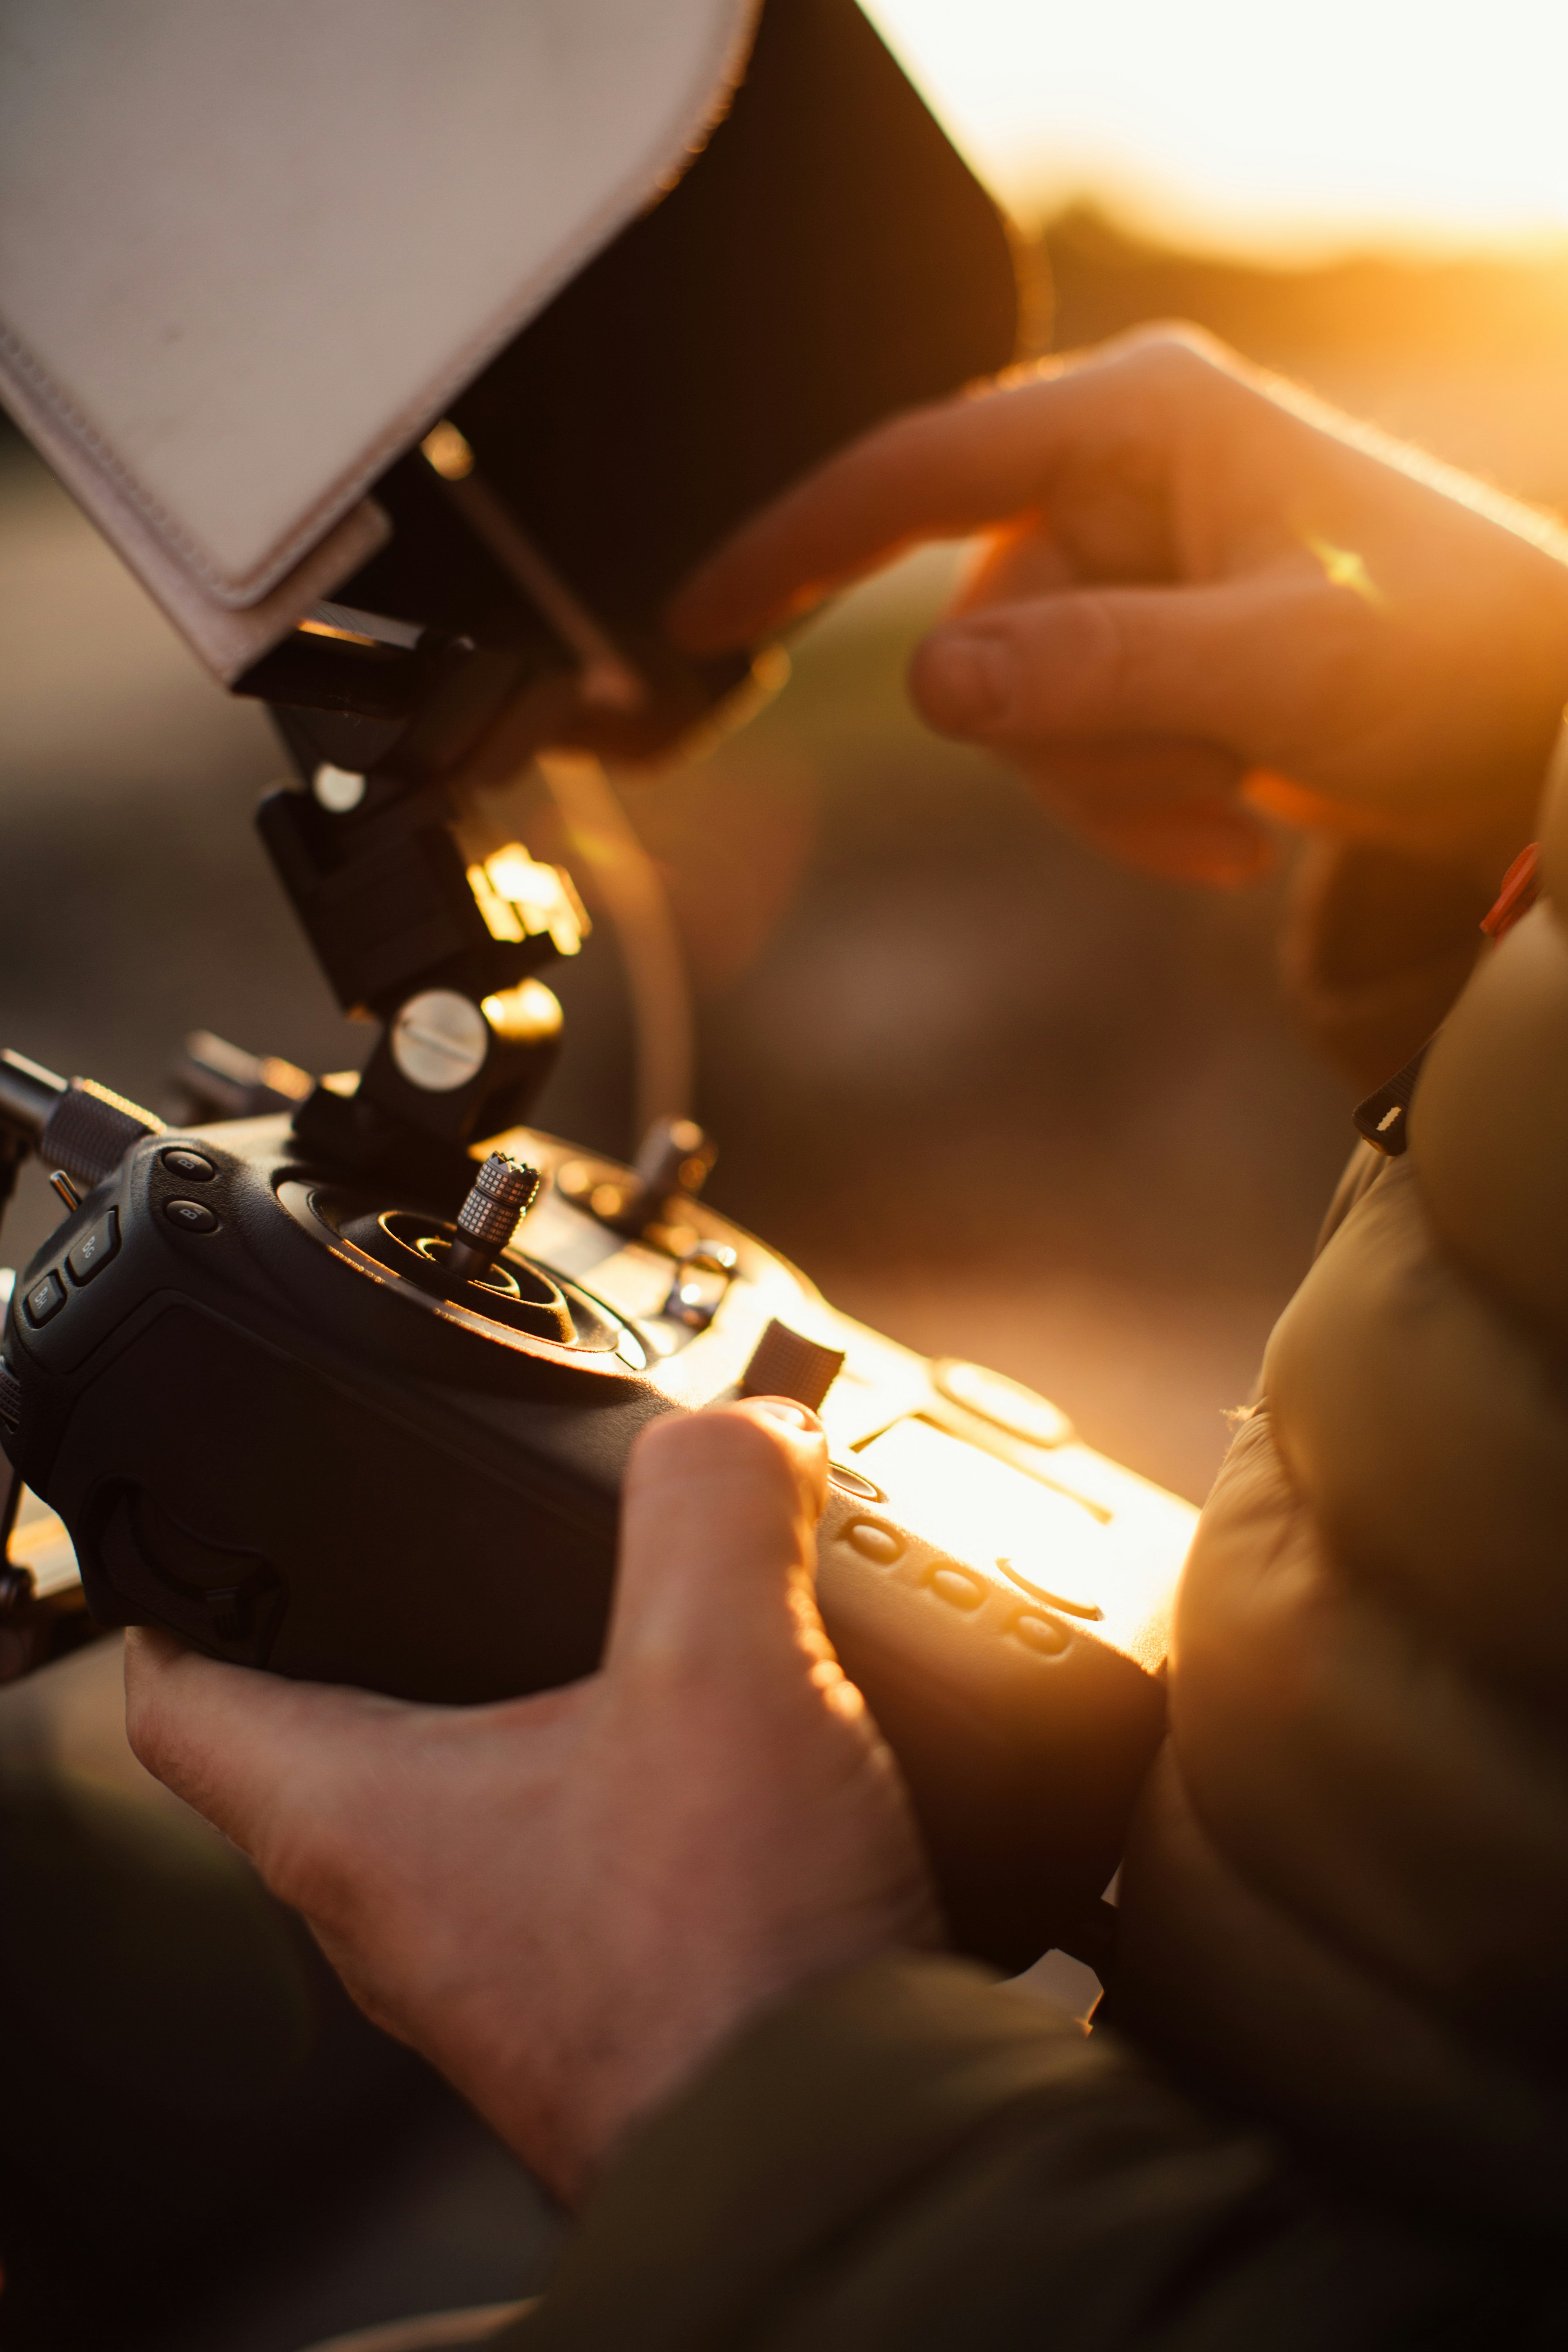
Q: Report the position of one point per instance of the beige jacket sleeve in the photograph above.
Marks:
(1347, 1901)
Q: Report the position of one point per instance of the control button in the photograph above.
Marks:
(194, 1215)
(97, 1246)
(45, 1300)
(1038, 1634)
(956, 1586)
(786, 1363)
(1007, 1404)
(189, 1166)
(853, 1481)
(874, 1542)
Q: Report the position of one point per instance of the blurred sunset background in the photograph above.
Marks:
(1410, 124)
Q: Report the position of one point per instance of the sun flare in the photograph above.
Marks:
(1274, 129)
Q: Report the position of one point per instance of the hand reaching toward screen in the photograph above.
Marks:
(1196, 579)
(567, 1902)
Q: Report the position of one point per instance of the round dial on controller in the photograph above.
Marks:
(517, 1303)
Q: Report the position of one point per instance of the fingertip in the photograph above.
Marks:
(753, 1438)
(960, 680)
(785, 1410)
(729, 1432)
(694, 1445)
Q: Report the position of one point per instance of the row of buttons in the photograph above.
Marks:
(959, 1587)
(100, 1242)
(87, 1259)
(191, 1216)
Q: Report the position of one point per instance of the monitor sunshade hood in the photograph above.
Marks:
(251, 250)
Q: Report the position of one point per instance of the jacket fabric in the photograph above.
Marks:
(1332, 2102)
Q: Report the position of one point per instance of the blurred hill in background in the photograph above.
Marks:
(1468, 355)
(997, 1096)
(1102, 276)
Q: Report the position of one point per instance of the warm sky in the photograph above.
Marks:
(1258, 123)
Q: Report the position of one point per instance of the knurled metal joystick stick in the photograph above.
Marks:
(500, 1198)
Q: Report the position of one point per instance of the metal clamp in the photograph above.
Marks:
(692, 1302)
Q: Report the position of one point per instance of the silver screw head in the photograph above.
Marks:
(440, 1040)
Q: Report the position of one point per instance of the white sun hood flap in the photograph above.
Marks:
(250, 248)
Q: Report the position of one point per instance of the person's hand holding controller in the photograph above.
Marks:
(569, 1902)
(1195, 577)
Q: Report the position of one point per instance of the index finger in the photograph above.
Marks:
(941, 472)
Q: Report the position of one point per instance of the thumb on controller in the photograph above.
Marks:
(718, 1543)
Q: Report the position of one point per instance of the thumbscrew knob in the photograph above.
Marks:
(500, 1198)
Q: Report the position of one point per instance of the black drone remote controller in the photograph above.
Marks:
(352, 1440)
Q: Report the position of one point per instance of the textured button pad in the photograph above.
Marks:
(952, 1591)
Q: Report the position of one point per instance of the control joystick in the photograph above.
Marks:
(499, 1199)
